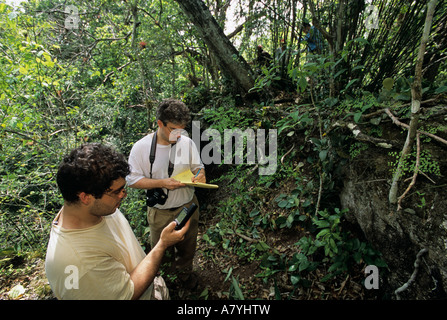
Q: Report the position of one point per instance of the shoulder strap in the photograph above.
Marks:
(152, 155)
(153, 149)
(171, 162)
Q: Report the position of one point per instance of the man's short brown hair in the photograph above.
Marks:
(174, 111)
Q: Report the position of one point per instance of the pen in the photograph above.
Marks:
(197, 173)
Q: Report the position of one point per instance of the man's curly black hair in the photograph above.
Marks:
(91, 168)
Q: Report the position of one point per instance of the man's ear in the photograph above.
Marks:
(85, 198)
(160, 123)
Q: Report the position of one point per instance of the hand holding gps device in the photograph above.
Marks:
(184, 216)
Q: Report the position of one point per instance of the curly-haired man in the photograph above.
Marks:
(92, 252)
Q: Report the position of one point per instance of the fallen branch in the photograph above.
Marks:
(414, 274)
(343, 286)
(360, 136)
(406, 126)
(415, 174)
(245, 237)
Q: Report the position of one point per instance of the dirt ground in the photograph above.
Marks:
(214, 281)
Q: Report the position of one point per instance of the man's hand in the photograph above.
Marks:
(172, 184)
(200, 177)
(169, 236)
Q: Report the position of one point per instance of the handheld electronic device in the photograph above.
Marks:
(184, 216)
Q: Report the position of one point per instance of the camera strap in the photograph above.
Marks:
(152, 155)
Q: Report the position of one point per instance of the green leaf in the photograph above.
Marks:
(254, 213)
(204, 294)
(283, 203)
(228, 274)
(262, 246)
(12, 15)
(322, 233)
(441, 89)
(295, 279)
(349, 84)
(323, 155)
(23, 70)
(388, 83)
(237, 290)
(339, 73)
(304, 265)
(290, 219)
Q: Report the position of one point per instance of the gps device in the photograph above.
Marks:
(184, 216)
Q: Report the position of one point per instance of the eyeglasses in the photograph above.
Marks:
(174, 133)
(175, 130)
(118, 193)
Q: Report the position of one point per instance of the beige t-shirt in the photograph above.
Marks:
(94, 263)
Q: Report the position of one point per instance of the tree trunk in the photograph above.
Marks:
(416, 93)
(229, 60)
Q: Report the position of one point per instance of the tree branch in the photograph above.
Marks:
(406, 126)
(241, 26)
(415, 174)
(117, 69)
(26, 137)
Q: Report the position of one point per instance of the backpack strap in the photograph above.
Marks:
(152, 155)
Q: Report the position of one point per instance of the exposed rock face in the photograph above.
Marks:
(399, 236)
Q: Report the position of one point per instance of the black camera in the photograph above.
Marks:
(155, 196)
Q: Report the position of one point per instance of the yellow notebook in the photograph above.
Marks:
(185, 177)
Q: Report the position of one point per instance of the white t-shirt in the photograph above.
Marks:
(186, 157)
(95, 262)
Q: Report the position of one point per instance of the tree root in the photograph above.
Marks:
(414, 274)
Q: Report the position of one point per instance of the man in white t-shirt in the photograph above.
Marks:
(92, 252)
(179, 150)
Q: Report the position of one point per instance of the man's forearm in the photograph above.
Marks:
(144, 274)
(146, 183)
